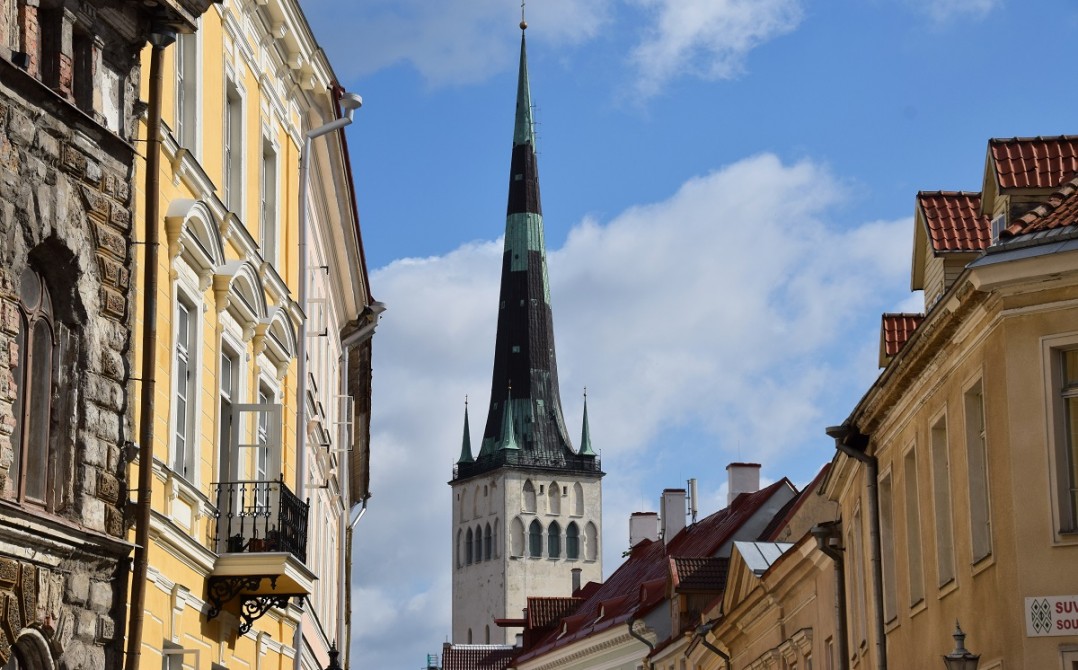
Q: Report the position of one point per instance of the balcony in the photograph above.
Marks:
(260, 536)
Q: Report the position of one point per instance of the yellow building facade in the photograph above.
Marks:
(255, 309)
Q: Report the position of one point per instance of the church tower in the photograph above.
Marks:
(527, 510)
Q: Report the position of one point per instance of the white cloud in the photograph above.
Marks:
(735, 312)
(942, 11)
(707, 38)
(449, 42)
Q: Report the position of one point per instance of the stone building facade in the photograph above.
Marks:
(69, 75)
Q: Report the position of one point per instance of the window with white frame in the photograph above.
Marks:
(184, 365)
(233, 149)
(941, 501)
(228, 377)
(858, 629)
(887, 546)
(1067, 442)
(913, 528)
(980, 518)
(268, 208)
(187, 86)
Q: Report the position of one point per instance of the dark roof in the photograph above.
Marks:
(699, 574)
(640, 583)
(896, 329)
(1034, 162)
(1060, 211)
(544, 612)
(954, 221)
(476, 656)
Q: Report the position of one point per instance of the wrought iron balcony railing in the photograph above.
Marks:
(259, 516)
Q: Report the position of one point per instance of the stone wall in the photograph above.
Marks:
(66, 212)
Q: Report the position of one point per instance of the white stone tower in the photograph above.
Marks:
(527, 510)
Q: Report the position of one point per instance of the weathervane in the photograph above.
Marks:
(523, 23)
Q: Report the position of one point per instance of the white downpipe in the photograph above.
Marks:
(301, 369)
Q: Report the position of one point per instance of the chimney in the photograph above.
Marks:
(672, 509)
(576, 580)
(742, 478)
(643, 526)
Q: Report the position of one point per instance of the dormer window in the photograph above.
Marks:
(999, 224)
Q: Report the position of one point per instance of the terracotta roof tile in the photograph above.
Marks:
(1034, 162)
(954, 220)
(1060, 211)
(476, 656)
(700, 574)
(897, 328)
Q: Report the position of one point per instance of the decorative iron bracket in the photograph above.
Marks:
(253, 608)
(223, 589)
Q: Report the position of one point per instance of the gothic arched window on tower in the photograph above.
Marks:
(487, 546)
(516, 537)
(494, 540)
(460, 549)
(591, 541)
(553, 540)
(475, 503)
(468, 547)
(554, 499)
(577, 501)
(478, 544)
(572, 541)
(463, 504)
(535, 539)
(529, 497)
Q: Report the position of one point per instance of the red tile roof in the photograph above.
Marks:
(639, 584)
(897, 328)
(1034, 162)
(954, 220)
(1060, 211)
(476, 656)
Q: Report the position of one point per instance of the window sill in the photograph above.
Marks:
(982, 564)
(947, 588)
(918, 607)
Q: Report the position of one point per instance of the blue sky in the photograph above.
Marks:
(728, 189)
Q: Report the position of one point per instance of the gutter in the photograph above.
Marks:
(823, 533)
(651, 647)
(850, 441)
(160, 37)
(701, 634)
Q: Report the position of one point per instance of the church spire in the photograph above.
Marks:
(585, 433)
(466, 446)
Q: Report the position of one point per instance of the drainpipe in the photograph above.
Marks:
(348, 342)
(853, 443)
(161, 35)
(651, 647)
(350, 102)
(824, 533)
(701, 632)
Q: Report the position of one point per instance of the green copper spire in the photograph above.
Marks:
(585, 434)
(466, 446)
(509, 434)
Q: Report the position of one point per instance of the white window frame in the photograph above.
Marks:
(887, 546)
(977, 480)
(188, 66)
(183, 460)
(233, 396)
(232, 154)
(912, 513)
(940, 457)
(269, 197)
(1065, 521)
(170, 652)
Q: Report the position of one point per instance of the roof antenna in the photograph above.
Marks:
(523, 23)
